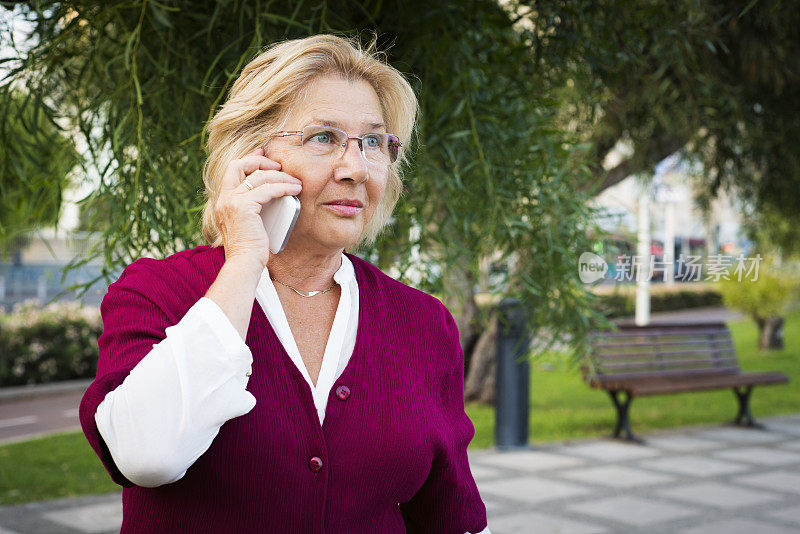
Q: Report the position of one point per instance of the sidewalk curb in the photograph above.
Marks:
(8, 394)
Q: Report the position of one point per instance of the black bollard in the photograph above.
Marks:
(513, 377)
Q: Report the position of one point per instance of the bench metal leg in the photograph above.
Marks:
(744, 417)
(623, 409)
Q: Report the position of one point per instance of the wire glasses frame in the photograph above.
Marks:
(323, 141)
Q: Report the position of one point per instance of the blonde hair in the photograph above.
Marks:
(273, 82)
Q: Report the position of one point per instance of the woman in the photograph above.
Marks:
(330, 401)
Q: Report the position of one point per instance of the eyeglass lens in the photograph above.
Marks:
(326, 140)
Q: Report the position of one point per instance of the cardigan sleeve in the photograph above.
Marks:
(153, 379)
(123, 343)
(448, 501)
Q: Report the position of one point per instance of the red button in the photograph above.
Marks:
(343, 392)
(315, 464)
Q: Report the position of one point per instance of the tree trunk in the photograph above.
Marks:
(770, 332)
(482, 375)
(478, 342)
(460, 296)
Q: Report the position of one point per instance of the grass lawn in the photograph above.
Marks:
(62, 465)
(562, 407)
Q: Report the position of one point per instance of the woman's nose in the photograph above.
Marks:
(352, 163)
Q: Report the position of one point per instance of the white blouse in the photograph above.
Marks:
(144, 432)
(341, 340)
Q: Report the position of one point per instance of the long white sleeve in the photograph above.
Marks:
(170, 408)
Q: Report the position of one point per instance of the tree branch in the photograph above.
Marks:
(653, 153)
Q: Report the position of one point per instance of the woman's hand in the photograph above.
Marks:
(238, 209)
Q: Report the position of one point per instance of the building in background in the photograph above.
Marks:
(720, 232)
(37, 270)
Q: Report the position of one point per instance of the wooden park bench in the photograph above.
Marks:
(669, 358)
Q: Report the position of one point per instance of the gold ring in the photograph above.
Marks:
(248, 184)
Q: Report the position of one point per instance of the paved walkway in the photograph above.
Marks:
(718, 479)
(713, 479)
(707, 314)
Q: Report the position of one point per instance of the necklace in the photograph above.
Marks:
(304, 293)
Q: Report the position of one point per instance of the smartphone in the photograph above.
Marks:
(279, 216)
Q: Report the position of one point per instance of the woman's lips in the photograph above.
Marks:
(343, 209)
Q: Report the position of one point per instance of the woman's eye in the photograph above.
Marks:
(372, 141)
(322, 137)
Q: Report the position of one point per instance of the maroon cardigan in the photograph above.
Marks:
(393, 452)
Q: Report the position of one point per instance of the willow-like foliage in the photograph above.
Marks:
(492, 170)
(35, 164)
(719, 79)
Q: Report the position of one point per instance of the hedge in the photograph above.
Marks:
(624, 304)
(47, 344)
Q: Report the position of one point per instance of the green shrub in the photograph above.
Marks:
(772, 294)
(623, 303)
(57, 342)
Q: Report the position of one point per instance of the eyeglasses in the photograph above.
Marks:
(330, 142)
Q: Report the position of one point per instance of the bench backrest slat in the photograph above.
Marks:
(672, 341)
(674, 364)
(627, 331)
(712, 352)
(669, 374)
(662, 351)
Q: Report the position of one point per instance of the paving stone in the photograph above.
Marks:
(92, 518)
(616, 476)
(480, 472)
(759, 455)
(692, 465)
(32, 517)
(740, 436)
(791, 515)
(738, 526)
(786, 418)
(785, 427)
(493, 505)
(541, 524)
(633, 510)
(791, 445)
(774, 480)
(609, 452)
(683, 443)
(719, 495)
(531, 489)
(531, 460)
(477, 455)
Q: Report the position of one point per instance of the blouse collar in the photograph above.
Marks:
(344, 275)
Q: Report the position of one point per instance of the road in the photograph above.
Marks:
(25, 418)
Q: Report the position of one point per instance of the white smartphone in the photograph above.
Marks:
(279, 216)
